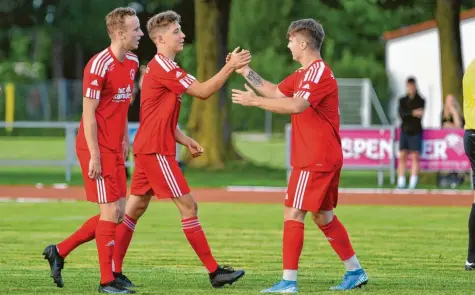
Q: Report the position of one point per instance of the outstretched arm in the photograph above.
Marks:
(205, 89)
(263, 87)
(285, 105)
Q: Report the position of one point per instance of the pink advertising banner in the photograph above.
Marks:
(442, 150)
(366, 147)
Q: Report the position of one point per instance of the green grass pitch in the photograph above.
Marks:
(405, 250)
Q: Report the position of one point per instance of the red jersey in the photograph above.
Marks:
(112, 83)
(160, 100)
(315, 139)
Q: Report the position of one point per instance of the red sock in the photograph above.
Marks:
(84, 234)
(337, 235)
(292, 244)
(105, 233)
(197, 239)
(123, 236)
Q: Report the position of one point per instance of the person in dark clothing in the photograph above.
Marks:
(411, 110)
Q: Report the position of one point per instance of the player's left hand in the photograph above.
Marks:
(195, 148)
(245, 98)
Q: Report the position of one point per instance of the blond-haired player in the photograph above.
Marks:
(101, 144)
(156, 169)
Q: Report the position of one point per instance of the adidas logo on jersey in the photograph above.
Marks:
(95, 83)
(178, 74)
(306, 86)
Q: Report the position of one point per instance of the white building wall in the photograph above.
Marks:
(418, 55)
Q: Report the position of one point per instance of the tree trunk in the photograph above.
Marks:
(447, 16)
(57, 58)
(224, 9)
(205, 121)
(79, 60)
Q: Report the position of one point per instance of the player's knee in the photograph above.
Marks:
(121, 210)
(294, 214)
(110, 212)
(121, 217)
(322, 218)
(187, 206)
(138, 207)
(190, 210)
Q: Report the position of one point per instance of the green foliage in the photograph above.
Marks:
(19, 67)
(353, 45)
(357, 66)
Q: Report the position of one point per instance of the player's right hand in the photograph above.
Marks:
(239, 59)
(241, 70)
(195, 148)
(94, 168)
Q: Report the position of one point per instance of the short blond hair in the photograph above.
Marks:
(116, 18)
(161, 20)
(311, 29)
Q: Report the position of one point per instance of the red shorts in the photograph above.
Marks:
(158, 175)
(313, 190)
(112, 185)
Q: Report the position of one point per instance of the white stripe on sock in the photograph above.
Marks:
(352, 263)
(290, 275)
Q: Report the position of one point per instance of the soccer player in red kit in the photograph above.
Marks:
(101, 144)
(156, 169)
(310, 95)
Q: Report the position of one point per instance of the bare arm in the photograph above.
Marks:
(285, 105)
(126, 131)
(206, 89)
(282, 105)
(181, 138)
(90, 126)
(126, 140)
(193, 147)
(203, 90)
(264, 87)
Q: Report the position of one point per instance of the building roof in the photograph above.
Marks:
(427, 25)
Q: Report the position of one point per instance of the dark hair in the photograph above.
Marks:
(411, 80)
(311, 29)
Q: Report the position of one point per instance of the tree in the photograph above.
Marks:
(222, 29)
(447, 16)
(205, 121)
